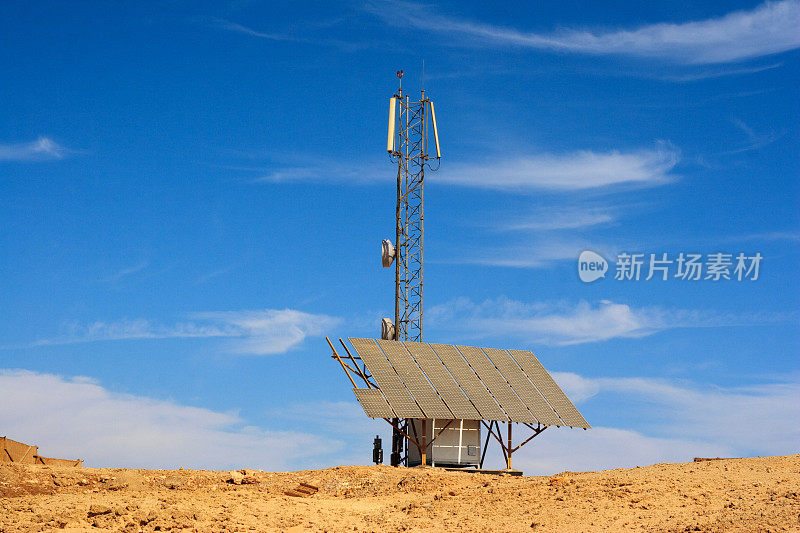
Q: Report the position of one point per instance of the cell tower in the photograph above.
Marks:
(436, 397)
(407, 145)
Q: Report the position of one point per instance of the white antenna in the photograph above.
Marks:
(392, 110)
(435, 131)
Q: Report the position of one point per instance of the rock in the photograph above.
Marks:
(174, 483)
(235, 477)
(97, 510)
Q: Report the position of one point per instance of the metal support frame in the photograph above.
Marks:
(506, 447)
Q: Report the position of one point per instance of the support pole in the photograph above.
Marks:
(460, 440)
(485, 446)
(397, 443)
(424, 449)
(508, 458)
(433, 434)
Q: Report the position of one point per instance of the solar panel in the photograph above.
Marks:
(497, 384)
(373, 403)
(443, 382)
(549, 388)
(384, 375)
(526, 391)
(415, 380)
(474, 388)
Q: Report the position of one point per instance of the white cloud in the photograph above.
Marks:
(344, 419)
(331, 171)
(561, 323)
(301, 36)
(271, 330)
(125, 272)
(558, 324)
(561, 218)
(79, 419)
(583, 169)
(754, 419)
(681, 421)
(40, 149)
(568, 172)
(717, 72)
(238, 28)
(601, 448)
(792, 236)
(540, 253)
(768, 29)
(259, 332)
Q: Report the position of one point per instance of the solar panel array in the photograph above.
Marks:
(523, 386)
(549, 388)
(457, 401)
(443, 381)
(393, 388)
(415, 380)
(373, 402)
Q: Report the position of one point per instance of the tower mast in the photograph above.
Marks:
(407, 145)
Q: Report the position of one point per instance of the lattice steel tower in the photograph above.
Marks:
(407, 145)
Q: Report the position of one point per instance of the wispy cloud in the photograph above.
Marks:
(768, 29)
(38, 150)
(125, 272)
(307, 169)
(558, 324)
(718, 73)
(539, 253)
(549, 219)
(259, 332)
(755, 140)
(334, 172)
(78, 418)
(568, 172)
(791, 236)
(205, 278)
(270, 331)
(238, 28)
(289, 36)
(562, 323)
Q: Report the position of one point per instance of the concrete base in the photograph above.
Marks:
(506, 472)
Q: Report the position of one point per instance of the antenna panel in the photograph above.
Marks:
(392, 121)
(435, 131)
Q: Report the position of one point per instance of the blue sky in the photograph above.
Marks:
(193, 194)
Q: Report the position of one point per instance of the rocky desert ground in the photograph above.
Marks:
(758, 494)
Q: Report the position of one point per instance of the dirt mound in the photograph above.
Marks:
(760, 494)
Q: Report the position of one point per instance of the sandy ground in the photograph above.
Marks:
(761, 494)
